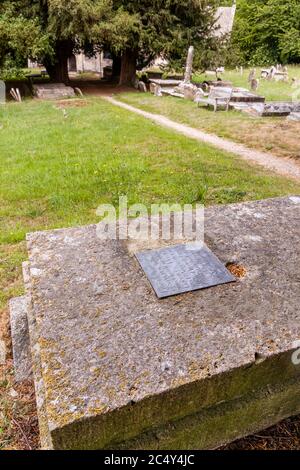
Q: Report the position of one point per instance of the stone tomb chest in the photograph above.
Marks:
(115, 367)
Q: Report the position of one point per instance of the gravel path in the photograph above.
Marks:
(269, 161)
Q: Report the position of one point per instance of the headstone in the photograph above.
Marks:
(2, 353)
(2, 92)
(272, 72)
(155, 89)
(152, 87)
(20, 338)
(142, 87)
(135, 83)
(254, 84)
(251, 75)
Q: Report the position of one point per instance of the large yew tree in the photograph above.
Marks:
(159, 27)
(135, 31)
(64, 26)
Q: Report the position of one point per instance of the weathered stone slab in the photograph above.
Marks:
(280, 108)
(20, 338)
(219, 83)
(53, 91)
(119, 365)
(294, 117)
(272, 109)
(165, 83)
(221, 424)
(241, 95)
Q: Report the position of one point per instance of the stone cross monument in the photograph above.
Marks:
(186, 89)
(189, 65)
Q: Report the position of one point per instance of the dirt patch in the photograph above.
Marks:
(280, 138)
(71, 104)
(103, 89)
(236, 270)
(284, 436)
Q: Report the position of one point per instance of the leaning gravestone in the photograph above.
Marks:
(117, 368)
(20, 338)
(142, 87)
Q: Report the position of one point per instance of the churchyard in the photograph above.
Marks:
(149, 225)
(274, 135)
(60, 161)
(173, 323)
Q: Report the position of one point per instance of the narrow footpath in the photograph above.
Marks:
(271, 162)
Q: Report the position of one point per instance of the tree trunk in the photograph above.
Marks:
(58, 68)
(116, 68)
(128, 67)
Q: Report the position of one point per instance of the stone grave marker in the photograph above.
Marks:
(182, 268)
(53, 91)
(117, 368)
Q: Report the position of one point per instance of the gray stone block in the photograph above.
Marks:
(53, 91)
(20, 338)
(223, 423)
(2, 353)
(45, 438)
(294, 117)
(116, 366)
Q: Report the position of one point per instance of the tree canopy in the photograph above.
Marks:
(267, 31)
(134, 31)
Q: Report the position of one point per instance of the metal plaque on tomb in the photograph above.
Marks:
(183, 268)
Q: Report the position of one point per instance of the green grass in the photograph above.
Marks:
(54, 172)
(275, 135)
(273, 91)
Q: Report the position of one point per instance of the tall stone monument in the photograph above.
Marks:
(189, 65)
(186, 88)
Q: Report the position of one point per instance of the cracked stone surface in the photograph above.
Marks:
(115, 361)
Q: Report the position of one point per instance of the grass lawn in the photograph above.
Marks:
(275, 135)
(55, 171)
(273, 91)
